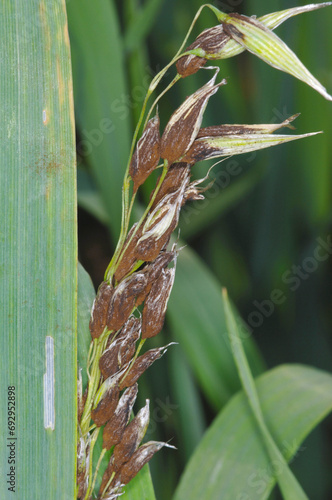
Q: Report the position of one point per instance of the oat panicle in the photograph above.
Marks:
(131, 303)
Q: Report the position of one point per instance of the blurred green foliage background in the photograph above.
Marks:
(257, 231)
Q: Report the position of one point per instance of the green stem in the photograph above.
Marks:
(97, 468)
(92, 444)
(107, 485)
(111, 269)
(125, 191)
(98, 349)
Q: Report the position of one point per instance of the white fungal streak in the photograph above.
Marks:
(49, 408)
(45, 119)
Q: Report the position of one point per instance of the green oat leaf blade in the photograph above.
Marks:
(38, 256)
(288, 484)
(231, 460)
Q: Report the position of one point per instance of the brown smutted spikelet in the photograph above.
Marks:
(147, 153)
(159, 225)
(177, 174)
(122, 349)
(141, 364)
(154, 311)
(153, 271)
(107, 399)
(141, 456)
(132, 437)
(128, 260)
(211, 41)
(115, 427)
(183, 126)
(123, 300)
(106, 407)
(99, 309)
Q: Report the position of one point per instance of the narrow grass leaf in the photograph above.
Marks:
(38, 252)
(190, 407)
(231, 461)
(102, 101)
(139, 28)
(288, 484)
(195, 314)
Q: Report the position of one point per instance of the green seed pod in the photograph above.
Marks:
(252, 35)
(217, 147)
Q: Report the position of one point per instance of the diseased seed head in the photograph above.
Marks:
(106, 399)
(128, 260)
(253, 35)
(183, 126)
(99, 309)
(153, 271)
(177, 175)
(115, 427)
(210, 42)
(159, 225)
(123, 300)
(121, 350)
(217, 147)
(141, 456)
(132, 437)
(154, 310)
(147, 153)
(141, 364)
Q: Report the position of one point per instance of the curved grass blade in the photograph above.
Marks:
(288, 484)
(231, 461)
(38, 250)
(196, 322)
